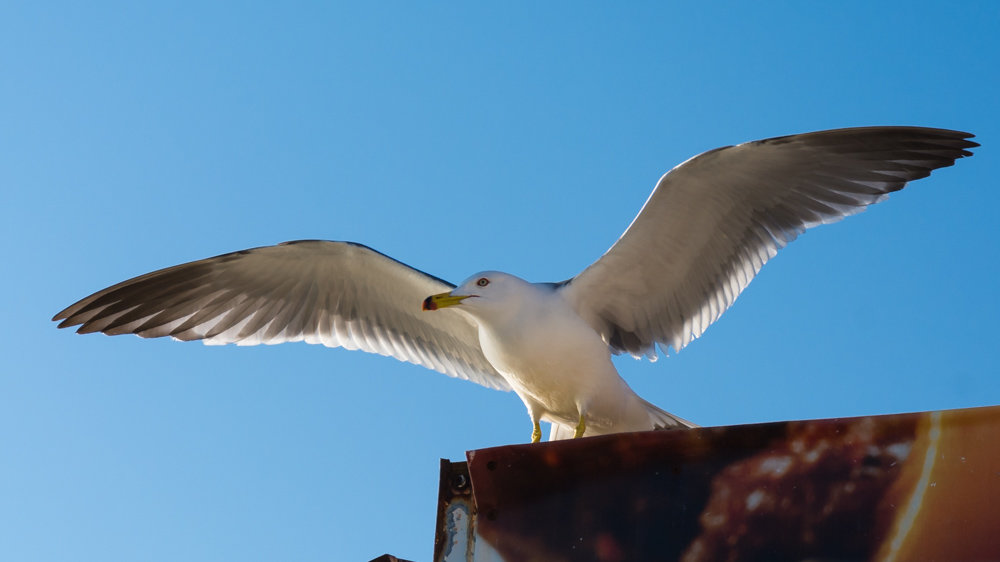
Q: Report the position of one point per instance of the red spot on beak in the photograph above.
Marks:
(429, 304)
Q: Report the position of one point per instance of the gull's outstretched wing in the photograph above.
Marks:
(712, 222)
(339, 294)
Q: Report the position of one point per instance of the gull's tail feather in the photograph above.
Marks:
(665, 420)
(658, 419)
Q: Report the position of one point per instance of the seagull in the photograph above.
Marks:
(708, 227)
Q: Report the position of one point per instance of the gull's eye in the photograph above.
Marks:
(483, 282)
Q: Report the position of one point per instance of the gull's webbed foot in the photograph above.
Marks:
(580, 428)
(536, 433)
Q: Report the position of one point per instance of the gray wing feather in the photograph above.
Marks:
(714, 221)
(339, 294)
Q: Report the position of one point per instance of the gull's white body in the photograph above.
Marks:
(707, 228)
(555, 362)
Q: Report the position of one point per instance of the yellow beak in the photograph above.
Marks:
(442, 300)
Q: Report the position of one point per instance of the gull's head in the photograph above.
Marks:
(483, 291)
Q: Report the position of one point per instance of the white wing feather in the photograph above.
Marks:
(714, 221)
(339, 294)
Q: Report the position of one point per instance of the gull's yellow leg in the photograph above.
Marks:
(536, 434)
(580, 428)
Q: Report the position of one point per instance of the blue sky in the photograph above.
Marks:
(454, 138)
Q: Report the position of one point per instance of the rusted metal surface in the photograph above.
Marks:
(889, 488)
(454, 538)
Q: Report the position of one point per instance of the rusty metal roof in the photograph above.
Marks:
(889, 487)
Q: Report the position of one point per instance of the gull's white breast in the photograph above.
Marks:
(554, 359)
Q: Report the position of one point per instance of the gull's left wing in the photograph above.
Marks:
(712, 222)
